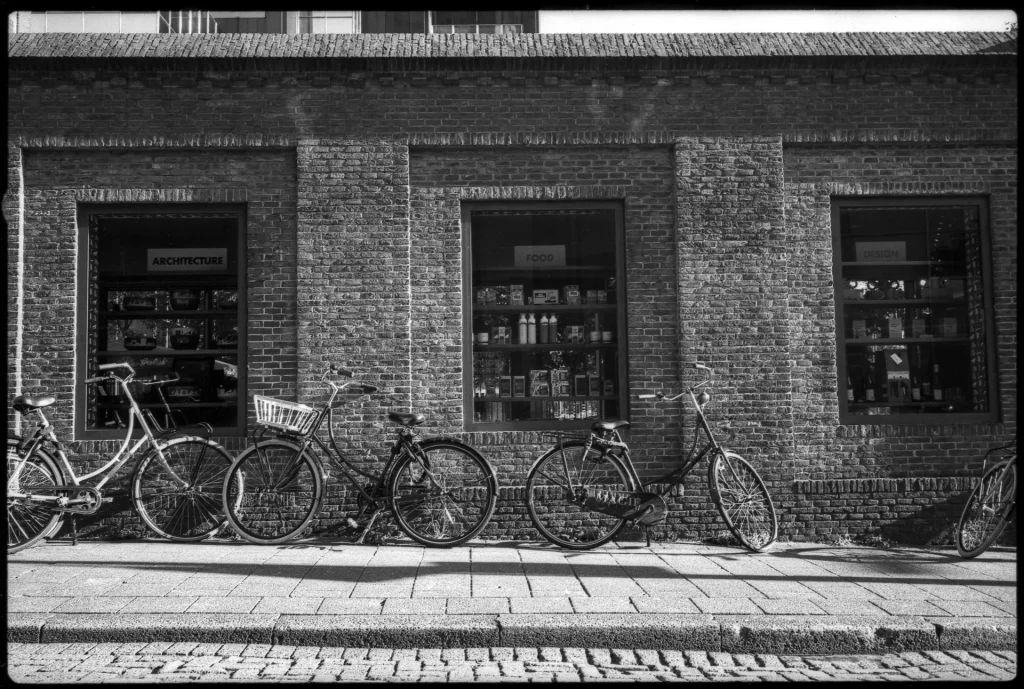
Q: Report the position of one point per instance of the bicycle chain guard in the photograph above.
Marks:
(77, 500)
(646, 508)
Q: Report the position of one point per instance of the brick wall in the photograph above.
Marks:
(353, 181)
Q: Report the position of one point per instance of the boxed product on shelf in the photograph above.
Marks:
(602, 297)
(573, 334)
(948, 326)
(560, 382)
(594, 384)
(540, 382)
(860, 329)
(572, 294)
(609, 387)
(501, 334)
(580, 385)
(516, 295)
(519, 386)
(545, 296)
(501, 295)
(505, 386)
(918, 328)
(591, 297)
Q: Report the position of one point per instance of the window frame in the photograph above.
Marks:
(839, 203)
(467, 208)
(85, 212)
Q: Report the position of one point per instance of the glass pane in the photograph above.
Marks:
(545, 316)
(102, 22)
(164, 299)
(64, 22)
(913, 310)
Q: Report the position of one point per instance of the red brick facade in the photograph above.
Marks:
(352, 158)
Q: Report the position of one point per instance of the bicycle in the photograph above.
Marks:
(440, 491)
(583, 491)
(991, 505)
(175, 489)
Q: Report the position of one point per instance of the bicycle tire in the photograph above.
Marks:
(268, 496)
(183, 514)
(554, 513)
(987, 510)
(28, 524)
(743, 501)
(449, 501)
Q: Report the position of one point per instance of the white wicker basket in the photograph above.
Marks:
(288, 416)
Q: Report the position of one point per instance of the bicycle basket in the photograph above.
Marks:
(287, 416)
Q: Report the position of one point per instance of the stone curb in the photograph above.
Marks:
(781, 634)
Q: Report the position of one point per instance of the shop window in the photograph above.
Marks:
(164, 291)
(914, 315)
(544, 315)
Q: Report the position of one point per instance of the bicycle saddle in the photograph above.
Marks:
(605, 426)
(25, 403)
(406, 419)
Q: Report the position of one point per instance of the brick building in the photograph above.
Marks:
(796, 211)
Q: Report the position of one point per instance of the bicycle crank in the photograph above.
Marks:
(76, 500)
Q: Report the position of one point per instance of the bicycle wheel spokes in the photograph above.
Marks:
(182, 513)
(272, 493)
(28, 521)
(554, 491)
(743, 501)
(446, 499)
(987, 510)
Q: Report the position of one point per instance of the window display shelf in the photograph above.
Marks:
(906, 340)
(150, 315)
(536, 308)
(164, 351)
(552, 347)
(920, 303)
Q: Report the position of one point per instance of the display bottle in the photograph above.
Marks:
(938, 392)
(542, 329)
(915, 390)
(522, 329)
(531, 330)
(869, 388)
(553, 329)
(849, 389)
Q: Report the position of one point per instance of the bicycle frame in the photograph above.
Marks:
(44, 432)
(677, 475)
(404, 443)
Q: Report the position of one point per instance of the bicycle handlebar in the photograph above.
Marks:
(159, 381)
(110, 367)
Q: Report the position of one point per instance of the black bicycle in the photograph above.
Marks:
(441, 491)
(991, 505)
(583, 491)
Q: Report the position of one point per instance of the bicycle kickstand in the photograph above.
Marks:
(369, 525)
(74, 530)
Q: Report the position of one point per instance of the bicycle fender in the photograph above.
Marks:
(61, 477)
(574, 443)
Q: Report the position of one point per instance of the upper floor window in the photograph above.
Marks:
(913, 306)
(545, 323)
(163, 290)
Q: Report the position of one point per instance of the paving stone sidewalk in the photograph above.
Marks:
(796, 598)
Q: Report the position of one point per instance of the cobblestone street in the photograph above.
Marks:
(188, 662)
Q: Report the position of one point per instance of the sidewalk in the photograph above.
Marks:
(798, 598)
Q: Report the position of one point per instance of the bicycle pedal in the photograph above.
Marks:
(352, 523)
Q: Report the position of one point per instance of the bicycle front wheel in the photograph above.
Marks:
(743, 501)
(189, 512)
(987, 510)
(559, 483)
(272, 492)
(445, 497)
(30, 521)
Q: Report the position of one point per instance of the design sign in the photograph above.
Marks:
(868, 252)
(202, 260)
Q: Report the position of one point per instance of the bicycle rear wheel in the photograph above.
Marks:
(29, 522)
(271, 493)
(987, 510)
(743, 501)
(556, 487)
(447, 499)
(182, 513)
